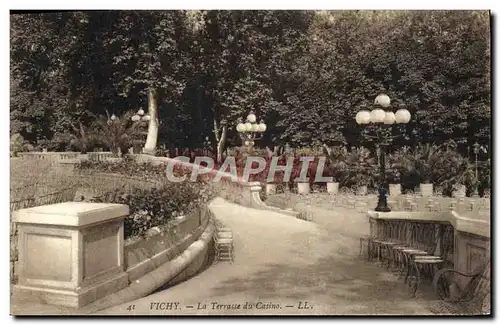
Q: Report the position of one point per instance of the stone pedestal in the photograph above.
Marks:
(70, 254)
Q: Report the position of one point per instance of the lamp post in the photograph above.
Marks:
(140, 117)
(250, 130)
(384, 119)
(477, 148)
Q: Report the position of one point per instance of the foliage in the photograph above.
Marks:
(420, 163)
(18, 144)
(485, 174)
(119, 133)
(130, 167)
(452, 170)
(150, 207)
(361, 167)
(305, 73)
(336, 165)
(155, 207)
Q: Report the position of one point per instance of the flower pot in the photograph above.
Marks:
(394, 189)
(270, 189)
(303, 188)
(332, 187)
(459, 191)
(426, 189)
(362, 190)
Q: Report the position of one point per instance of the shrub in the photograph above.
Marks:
(484, 175)
(121, 133)
(453, 169)
(130, 167)
(18, 144)
(361, 168)
(336, 165)
(155, 207)
(150, 207)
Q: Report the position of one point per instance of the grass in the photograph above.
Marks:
(36, 182)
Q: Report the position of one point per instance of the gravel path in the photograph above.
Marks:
(287, 266)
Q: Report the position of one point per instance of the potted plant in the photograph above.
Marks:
(423, 161)
(362, 181)
(454, 173)
(397, 163)
(336, 168)
(361, 168)
(332, 187)
(394, 180)
(303, 186)
(272, 185)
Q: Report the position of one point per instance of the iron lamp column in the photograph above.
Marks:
(250, 130)
(477, 149)
(379, 116)
(140, 117)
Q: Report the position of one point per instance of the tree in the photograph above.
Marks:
(149, 56)
(237, 62)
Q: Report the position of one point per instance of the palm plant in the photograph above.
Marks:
(454, 170)
(118, 133)
(420, 162)
(426, 158)
(82, 139)
(336, 165)
(361, 166)
(397, 165)
(485, 174)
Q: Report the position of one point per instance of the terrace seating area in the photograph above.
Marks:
(423, 251)
(413, 250)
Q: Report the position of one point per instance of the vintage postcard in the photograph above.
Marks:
(250, 162)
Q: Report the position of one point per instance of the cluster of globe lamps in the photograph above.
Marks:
(378, 115)
(250, 129)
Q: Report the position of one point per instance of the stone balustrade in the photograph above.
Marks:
(69, 156)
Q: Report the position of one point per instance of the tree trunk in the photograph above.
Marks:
(150, 146)
(327, 149)
(220, 138)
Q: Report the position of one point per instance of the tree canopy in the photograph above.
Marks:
(305, 73)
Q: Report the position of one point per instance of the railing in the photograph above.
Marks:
(56, 157)
(100, 156)
(63, 195)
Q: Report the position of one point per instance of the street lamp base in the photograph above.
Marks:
(382, 200)
(382, 209)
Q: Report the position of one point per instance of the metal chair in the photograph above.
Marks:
(431, 263)
(223, 243)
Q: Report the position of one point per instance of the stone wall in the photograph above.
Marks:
(13, 252)
(471, 251)
(145, 254)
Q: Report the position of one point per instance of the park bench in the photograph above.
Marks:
(474, 299)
